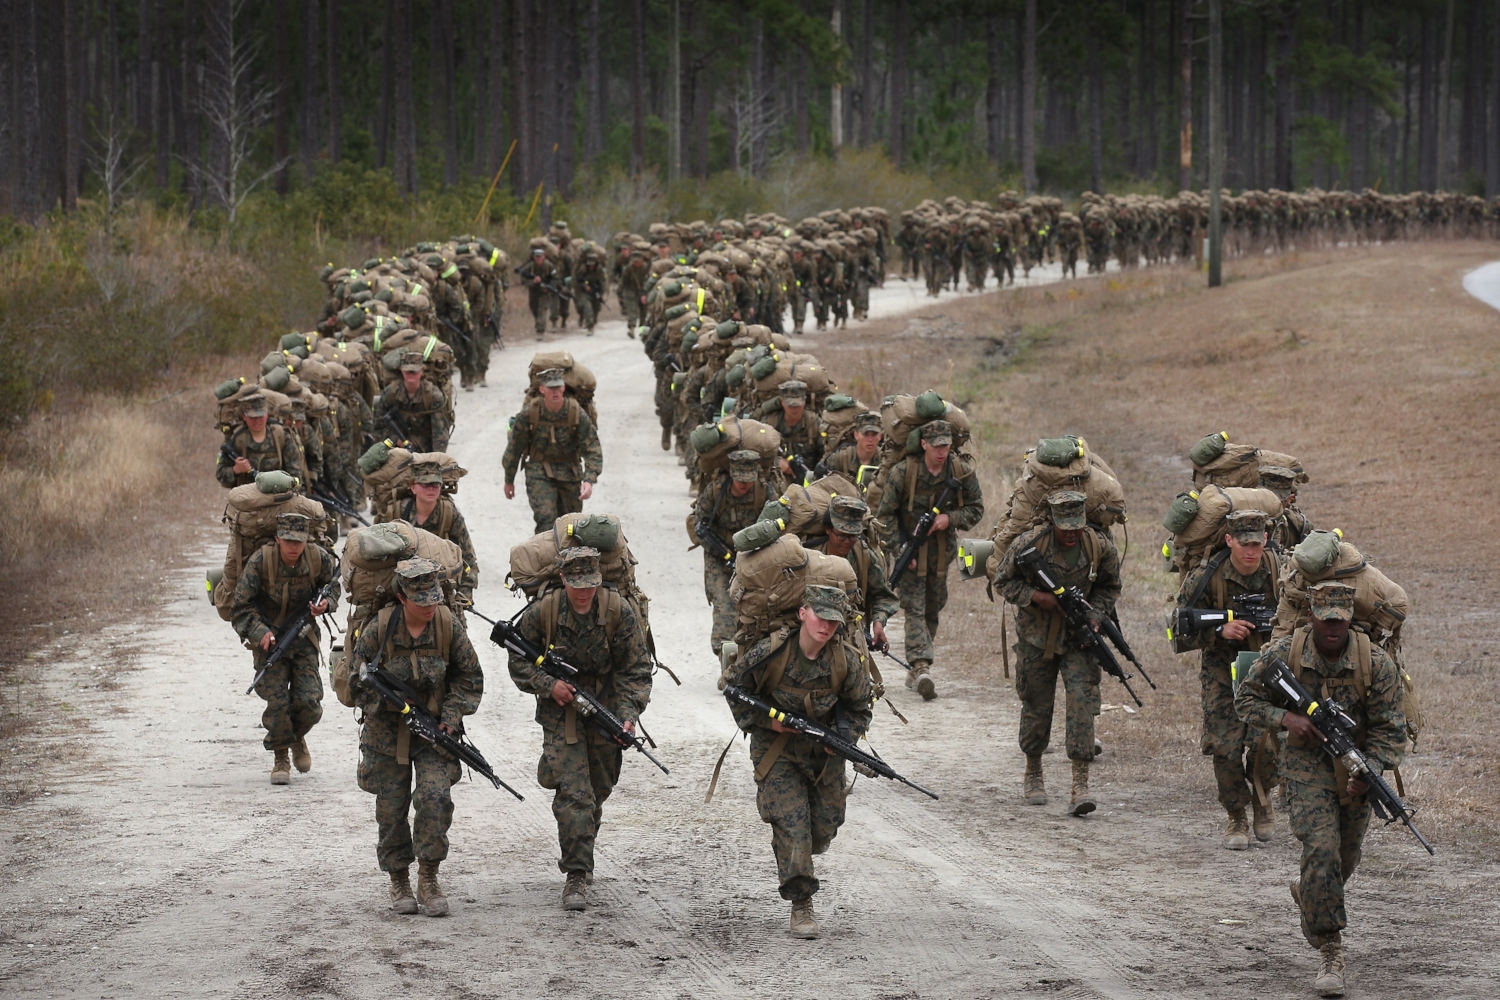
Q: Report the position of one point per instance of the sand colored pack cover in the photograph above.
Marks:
(371, 555)
(713, 442)
(1217, 461)
(837, 421)
(1380, 604)
(801, 508)
(767, 588)
(251, 515)
(1065, 463)
(534, 562)
(902, 416)
(1201, 514)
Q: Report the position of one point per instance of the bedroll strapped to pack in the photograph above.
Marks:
(251, 515)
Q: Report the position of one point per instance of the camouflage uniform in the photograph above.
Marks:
(535, 274)
(560, 451)
(447, 521)
(577, 762)
(1329, 823)
(455, 322)
(1242, 757)
(277, 450)
(291, 689)
(724, 513)
(425, 418)
(799, 787)
(402, 772)
(924, 589)
(1045, 649)
(805, 439)
(1292, 526)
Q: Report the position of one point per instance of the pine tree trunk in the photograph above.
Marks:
(1427, 111)
(1492, 134)
(1440, 172)
(8, 106)
(521, 113)
(1028, 100)
(1286, 43)
(991, 88)
(192, 85)
(72, 118)
(280, 110)
(405, 153)
(638, 86)
(758, 158)
(898, 83)
(495, 130)
(308, 131)
(387, 87)
(1185, 102)
(674, 90)
(442, 40)
(1096, 108)
(593, 125)
(866, 73)
(219, 19)
(335, 81)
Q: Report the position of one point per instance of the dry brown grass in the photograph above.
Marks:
(1371, 365)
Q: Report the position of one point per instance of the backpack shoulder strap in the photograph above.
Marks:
(1364, 665)
(575, 413)
(911, 483)
(444, 630)
(446, 511)
(610, 604)
(1211, 570)
(548, 608)
(776, 665)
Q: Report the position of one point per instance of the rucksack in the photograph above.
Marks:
(837, 423)
(251, 516)
(902, 418)
(389, 475)
(578, 381)
(1196, 521)
(714, 441)
(768, 587)
(342, 668)
(1364, 672)
(1217, 462)
(802, 508)
(371, 555)
(1380, 604)
(1065, 463)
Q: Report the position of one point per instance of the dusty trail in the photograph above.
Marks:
(160, 861)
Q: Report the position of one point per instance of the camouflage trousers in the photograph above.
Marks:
(483, 341)
(802, 797)
(536, 300)
(939, 273)
(976, 269)
(1241, 755)
(582, 775)
(426, 835)
(922, 599)
(799, 310)
(716, 588)
(666, 403)
(1036, 686)
(588, 310)
(550, 498)
(293, 693)
(1332, 836)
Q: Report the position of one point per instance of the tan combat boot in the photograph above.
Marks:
(1237, 832)
(1330, 981)
(1082, 803)
(575, 891)
(281, 769)
(429, 893)
(919, 680)
(804, 920)
(1035, 787)
(666, 439)
(1264, 819)
(402, 901)
(301, 756)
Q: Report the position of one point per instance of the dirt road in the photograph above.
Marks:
(158, 861)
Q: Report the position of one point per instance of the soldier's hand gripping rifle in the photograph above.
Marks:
(923, 529)
(799, 467)
(422, 723)
(589, 706)
(468, 341)
(714, 545)
(403, 439)
(228, 455)
(1337, 730)
(1076, 610)
(831, 740)
(492, 323)
(294, 629)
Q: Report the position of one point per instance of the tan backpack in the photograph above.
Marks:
(837, 423)
(1218, 462)
(1380, 604)
(767, 586)
(251, 516)
(371, 555)
(903, 416)
(803, 507)
(1196, 520)
(342, 668)
(1086, 472)
(713, 442)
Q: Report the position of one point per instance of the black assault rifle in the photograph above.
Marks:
(542, 284)
(714, 545)
(1337, 729)
(589, 706)
(468, 341)
(227, 452)
(336, 503)
(422, 723)
(923, 529)
(294, 629)
(1076, 609)
(844, 748)
(403, 439)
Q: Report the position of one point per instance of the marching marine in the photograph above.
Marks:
(556, 441)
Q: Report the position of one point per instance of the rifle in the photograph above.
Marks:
(799, 468)
(468, 341)
(338, 504)
(403, 439)
(714, 545)
(1338, 742)
(923, 529)
(492, 322)
(1250, 608)
(294, 629)
(1076, 608)
(423, 724)
(542, 284)
(229, 455)
(589, 706)
(832, 741)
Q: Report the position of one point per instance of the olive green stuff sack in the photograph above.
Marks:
(735, 376)
(689, 341)
(675, 312)
(838, 401)
(930, 406)
(762, 368)
(353, 317)
(1180, 514)
(757, 536)
(770, 406)
(1059, 451)
(271, 362)
(277, 379)
(705, 437)
(598, 531)
(374, 457)
(291, 340)
(228, 388)
(1317, 553)
(382, 541)
(275, 481)
(672, 289)
(1209, 448)
(727, 330)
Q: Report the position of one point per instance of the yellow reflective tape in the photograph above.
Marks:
(450, 269)
(1169, 633)
(781, 524)
(431, 345)
(1339, 532)
(541, 659)
(1060, 590)
(701, 295)
(208, 586)
(1166, 550)
(1312, 708)
(494, 256)
(405, 709)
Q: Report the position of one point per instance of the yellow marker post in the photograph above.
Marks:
(495, 183)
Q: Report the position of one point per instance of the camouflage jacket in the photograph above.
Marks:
(1288, 530)
(557, 443)
(458, 681)
(878, 602)
(846, 463)
(805, 439)
(272, 595)
(1380, 726)
(1093, 566)
(806, 687)
(312, 450)
(447, 521)
(616, 669)
(726, 513)
(278, 450)
(1214, 583)
(899, 513)
(425, 417)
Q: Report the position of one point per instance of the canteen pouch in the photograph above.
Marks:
(1180, 514)
(1209, 448)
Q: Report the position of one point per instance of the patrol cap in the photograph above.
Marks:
(846, 515)
(292, 527)
(868, 422)
(1279, 480)
(744, 465)
(426, 473)
(551, 377)
(792, 390)
(420, 580)
(1331, 600)
(411, 361)
(828, 603)
(937, 433)
(579, 567)
(253, 405)
(1068, 511)
(1247, 526)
